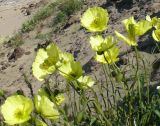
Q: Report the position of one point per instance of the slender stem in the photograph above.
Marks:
(54, 101)
(139, 83)
(107, 90)
(137, 63)
(100, 88)
(145, 70)
(98, 107)
(28, 84)
(112, 84)
(130, 109)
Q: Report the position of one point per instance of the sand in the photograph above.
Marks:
(11, 16)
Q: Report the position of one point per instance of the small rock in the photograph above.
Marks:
(20, 68)
(17, 53)
(25, 11)
(27, 53)
(32, 5)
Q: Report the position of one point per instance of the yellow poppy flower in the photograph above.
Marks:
(85, 82)
(99, 44)
(46, 107)
(17, 109)
(39, 73)
(45, 62)
(142, 27)
(128, 22)
(53, 57)
(156, 24)
(130, 41)
(59, 98)
(134, 29)
(71, 70)
(139, 28)
(64, 58)
(110, 56)
(95, 19)
(156, 35)
(154, 21)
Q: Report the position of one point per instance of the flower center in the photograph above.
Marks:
(18, 113)
(95, 21)
(47, 63)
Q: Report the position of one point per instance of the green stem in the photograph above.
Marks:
(137, 78)
(137, 63)
(146, 78)
(99, 108)
(112, 84)
(130, 109)
(107, 88)
(54, 101)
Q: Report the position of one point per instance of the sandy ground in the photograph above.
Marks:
(14, 62)
(11, 16)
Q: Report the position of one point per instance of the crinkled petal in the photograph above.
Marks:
(156, 35)
(71, 70)
(85, 82)
(95, 19)
(125, 39)
(39, 73)
(17, 109)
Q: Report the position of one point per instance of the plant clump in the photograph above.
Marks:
(124, 98)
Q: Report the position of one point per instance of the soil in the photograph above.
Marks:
(15, 62)
(13, 13)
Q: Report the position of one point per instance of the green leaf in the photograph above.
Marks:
(1, 92)
(157, 113)
(80, 116)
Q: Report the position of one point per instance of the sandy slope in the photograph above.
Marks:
(11, 17)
